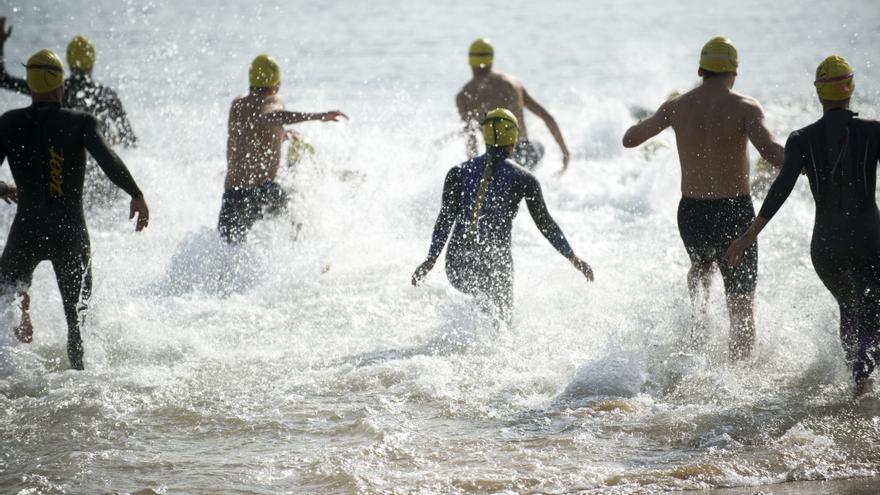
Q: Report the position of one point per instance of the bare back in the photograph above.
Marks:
(488, 92)
(711, 130)
(253, 148)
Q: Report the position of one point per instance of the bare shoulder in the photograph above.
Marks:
(509, 79)
(747, 104)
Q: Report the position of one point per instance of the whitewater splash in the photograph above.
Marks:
(303, 361)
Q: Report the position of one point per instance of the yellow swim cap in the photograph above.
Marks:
(834, 79)
(719, 55)
(481, 53)
(500, 128)
(264, 72)
(45, 72)
(80, 53)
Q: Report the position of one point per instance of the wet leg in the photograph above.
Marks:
(74, 276)
(25, 330)
(740, 308)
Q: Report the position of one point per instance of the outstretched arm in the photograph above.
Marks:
(550, 122)
(779, 192)
(548, 227)
(443, 225)
(7, 81)
(761, 136)
(648, 128)
(285, 117)
(116, 171)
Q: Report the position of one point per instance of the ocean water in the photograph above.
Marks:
(304, 362)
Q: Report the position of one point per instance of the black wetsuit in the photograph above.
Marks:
(839, 155)
(83, 93)
(46, 147)
(479, 260)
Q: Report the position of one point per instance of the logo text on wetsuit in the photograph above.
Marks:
(56, 166)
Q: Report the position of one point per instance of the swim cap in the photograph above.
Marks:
(500, 128)
(481, 53)
(80, 53)
(45, 72)
(264, 72)
(834, 79)
(719, 55)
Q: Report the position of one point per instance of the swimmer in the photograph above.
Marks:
(713, 126)
(46, 147)
(489, 89)
(82, 92)
(481, 197)
(253, 151)
(839, 155)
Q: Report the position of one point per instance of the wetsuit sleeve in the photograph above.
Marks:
(9, 82)
(448, 212)
(2, 149)
(107, 159)
(785, 181)
(531, 191)
(120, 119)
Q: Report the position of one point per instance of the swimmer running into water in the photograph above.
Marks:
(713, 126)
(839, 155)
(489, 89)
(46, 146)
(253, 151)
(481, 197)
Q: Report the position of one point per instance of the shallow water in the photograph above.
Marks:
(304, 362)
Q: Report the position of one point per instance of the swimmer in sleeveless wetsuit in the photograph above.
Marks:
(839, 155)
(480, 200)
(46, 146)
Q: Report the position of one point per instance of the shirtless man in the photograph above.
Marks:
(489, 90)
(713, 126)
(253, 151)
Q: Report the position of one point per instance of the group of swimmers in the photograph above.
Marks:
(46, 146)
(713, 126)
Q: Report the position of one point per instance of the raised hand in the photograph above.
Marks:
(4, 33)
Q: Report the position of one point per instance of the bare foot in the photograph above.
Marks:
(25, 330)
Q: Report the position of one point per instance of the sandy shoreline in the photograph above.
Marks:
(857, 486)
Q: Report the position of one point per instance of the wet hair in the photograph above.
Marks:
(708, 74)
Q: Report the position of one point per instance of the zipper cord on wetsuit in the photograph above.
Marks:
(837, 169)
(38, 152)
(491, 160)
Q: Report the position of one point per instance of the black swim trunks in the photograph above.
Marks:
(707, 227)
(528, 154)
(243, 206)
